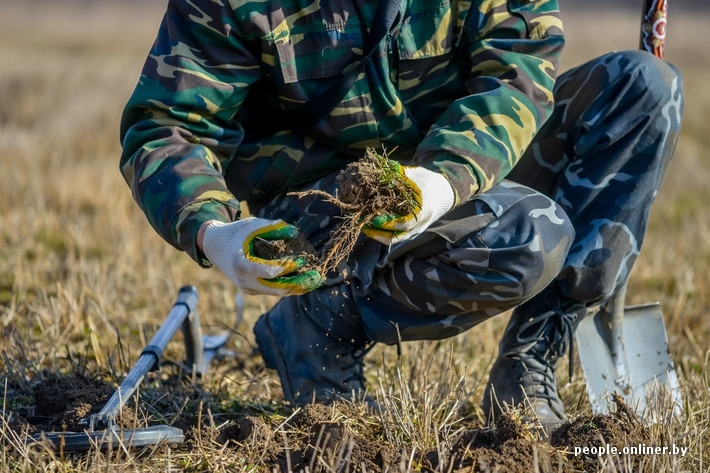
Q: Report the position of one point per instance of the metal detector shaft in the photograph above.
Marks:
(182, 315)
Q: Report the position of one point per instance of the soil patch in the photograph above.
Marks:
(61, 402)
(622, 429)
(316, 438)
(509, 447)
(336, 437)
(346, 437)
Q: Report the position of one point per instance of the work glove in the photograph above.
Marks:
(434, 197)
(229, 246)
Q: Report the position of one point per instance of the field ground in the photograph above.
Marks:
(84, 283)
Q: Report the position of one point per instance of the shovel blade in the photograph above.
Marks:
(639, 369)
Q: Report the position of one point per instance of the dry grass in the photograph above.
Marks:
(84, 282)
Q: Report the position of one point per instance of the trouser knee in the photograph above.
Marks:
(452, 282)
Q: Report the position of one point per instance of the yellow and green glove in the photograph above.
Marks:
(229, 246)
(434, 197)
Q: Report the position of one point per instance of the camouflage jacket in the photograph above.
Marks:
(458, 86)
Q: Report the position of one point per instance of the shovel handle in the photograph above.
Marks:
(654, 20)
(612, 319)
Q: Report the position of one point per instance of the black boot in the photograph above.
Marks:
(538, 334)
(316, 343)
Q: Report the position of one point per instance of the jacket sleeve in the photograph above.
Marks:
(176, 129)
(511, 50)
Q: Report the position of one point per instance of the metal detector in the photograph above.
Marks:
(101, 428)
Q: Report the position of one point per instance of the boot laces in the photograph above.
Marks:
(551, 336)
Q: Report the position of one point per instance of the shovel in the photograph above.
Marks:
(624, 351)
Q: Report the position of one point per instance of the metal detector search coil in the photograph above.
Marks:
(101, 429)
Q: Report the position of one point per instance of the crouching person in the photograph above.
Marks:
(534, 187)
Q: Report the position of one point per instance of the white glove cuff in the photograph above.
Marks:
(218, 247)
(437, 193)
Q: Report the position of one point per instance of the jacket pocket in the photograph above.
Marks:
(427, 33)
(319, 51)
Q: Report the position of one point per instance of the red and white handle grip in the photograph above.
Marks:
(653, 27)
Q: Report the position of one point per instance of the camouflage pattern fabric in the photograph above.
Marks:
(600, 159)
(488, 255)
(459, 87)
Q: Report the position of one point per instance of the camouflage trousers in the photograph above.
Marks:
(573, 212)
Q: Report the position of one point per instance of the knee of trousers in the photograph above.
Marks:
(656, 82)
(530, 244)
(493, 270)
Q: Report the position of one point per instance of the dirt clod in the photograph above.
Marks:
(509, 447)
(245, 429)
(374, 185)
(620, 429)
(336, 437)
(371, 186)
(61, 402)
(275, 249)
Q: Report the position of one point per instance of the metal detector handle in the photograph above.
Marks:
(611, 315)
(185, 307)
(192, 334)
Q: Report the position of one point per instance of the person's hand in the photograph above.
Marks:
(229, 246)
(434, 197)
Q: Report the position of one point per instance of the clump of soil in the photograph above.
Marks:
(509, 447)
(338, 437)
(512, 447)
(247, 436)
(619, 430)
(317, 438)
(371, 186)
(374, 185)
(276, 249)
(61, 402)
(247, 429)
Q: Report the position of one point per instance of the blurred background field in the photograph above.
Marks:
(80, 269)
